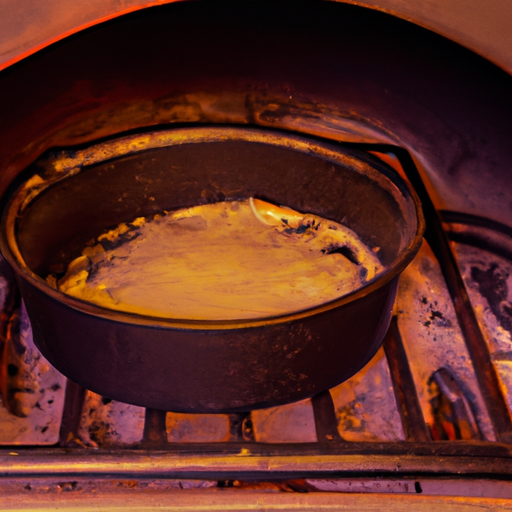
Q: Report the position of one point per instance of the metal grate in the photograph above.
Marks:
(452, 445)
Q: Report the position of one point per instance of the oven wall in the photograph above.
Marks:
(484, 27)
(327, 69)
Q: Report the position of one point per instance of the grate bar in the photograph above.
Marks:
(326, 423)
(222, 461)
(71, 414)
(485, 371)
(406, 396)
(155, 431)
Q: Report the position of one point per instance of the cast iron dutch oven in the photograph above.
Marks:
(192, 365)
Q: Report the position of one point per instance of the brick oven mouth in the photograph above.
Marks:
(430, 413)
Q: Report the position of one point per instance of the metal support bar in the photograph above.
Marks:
(242, 461)
(485, 371)
(155, 431)
(406, 396)
(71, 414)
(326, 424)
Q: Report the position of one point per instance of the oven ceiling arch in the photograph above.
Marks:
(27, 26)
(329, 69)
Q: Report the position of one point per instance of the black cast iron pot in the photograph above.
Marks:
(206, 366)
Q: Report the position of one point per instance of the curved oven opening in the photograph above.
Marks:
(332, 71)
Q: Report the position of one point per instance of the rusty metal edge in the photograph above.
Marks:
(207, 461)
(235, 500)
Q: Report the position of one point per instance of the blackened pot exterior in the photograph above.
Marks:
(194, 365)
(210, 370)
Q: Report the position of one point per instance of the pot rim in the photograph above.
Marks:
(72, 163)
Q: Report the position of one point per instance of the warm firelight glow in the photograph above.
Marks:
(227, 260)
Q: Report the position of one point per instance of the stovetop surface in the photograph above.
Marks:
(415, 419)
(289, 449)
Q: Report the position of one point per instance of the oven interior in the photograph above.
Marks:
(430, 414)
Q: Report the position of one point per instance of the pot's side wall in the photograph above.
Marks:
(186, 370)
(27, 26)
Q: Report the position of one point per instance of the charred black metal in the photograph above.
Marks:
(492, 283)
(326, 424)
(155, 432)
(222, 462)
(478, 231)
(413, 423)
(452, 412)
(485, 371)
(71, 414)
